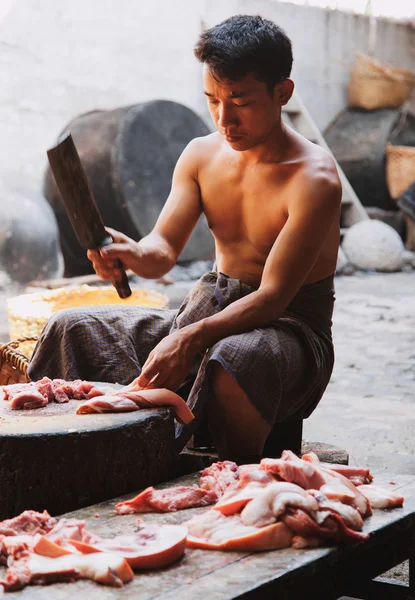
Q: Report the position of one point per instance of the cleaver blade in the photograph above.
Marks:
(80, 204)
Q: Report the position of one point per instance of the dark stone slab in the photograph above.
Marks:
(52, 458)
(358, 140)
(151, 138)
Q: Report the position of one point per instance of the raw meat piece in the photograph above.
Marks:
(16, 388)
(67, 530)
(26, 395)
(331, 528)
(351, 517)
(44, 547)
(294, 470)
(274, 500)
(167, 500)
(108, 569)
(250, 485)
(160, 397)
(381, 498)
(17, 546)
(214, 531)
(28, 400)
(219, 476)
(152, 547)
(45, 387)
(310, 475)
(357, 475)
(104, 404)
(30, 522)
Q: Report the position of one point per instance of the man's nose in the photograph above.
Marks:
(226, 116)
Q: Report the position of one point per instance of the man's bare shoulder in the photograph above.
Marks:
(201, 148)
(317, 176)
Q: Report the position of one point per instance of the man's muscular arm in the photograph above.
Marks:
(312, 213)
(155, 254)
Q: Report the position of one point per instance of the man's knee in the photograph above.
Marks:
(222, 383)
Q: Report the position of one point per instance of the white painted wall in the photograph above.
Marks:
(60, 58)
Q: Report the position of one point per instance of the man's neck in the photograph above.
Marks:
(272, 149)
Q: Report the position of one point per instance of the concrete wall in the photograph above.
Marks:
(60, 58)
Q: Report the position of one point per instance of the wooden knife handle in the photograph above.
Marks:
(121, 285)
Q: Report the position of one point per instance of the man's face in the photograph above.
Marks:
(243, 111)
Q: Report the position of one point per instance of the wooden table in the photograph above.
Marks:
(318, 573)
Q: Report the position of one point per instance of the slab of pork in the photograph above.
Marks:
(167, 500)
(381, 498)
(108, 569)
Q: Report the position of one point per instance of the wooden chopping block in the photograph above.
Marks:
(51, 458)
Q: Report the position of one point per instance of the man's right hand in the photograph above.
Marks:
(124, 248)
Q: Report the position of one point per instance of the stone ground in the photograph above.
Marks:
(369, 405)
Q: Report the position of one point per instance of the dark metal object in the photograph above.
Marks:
(80, 204)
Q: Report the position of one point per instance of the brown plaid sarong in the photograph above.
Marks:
(284, 368)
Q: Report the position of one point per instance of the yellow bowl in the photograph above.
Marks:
(29, 313)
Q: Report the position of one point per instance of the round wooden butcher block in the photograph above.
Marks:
(51, 458)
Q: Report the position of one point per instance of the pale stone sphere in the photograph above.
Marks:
(373, 245)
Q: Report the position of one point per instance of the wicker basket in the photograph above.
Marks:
(400, 168)
(13, 363)
(378, 85)
(29, 313)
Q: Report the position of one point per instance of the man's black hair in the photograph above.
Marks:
(246, 44)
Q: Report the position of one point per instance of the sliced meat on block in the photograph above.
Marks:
(27, 395)
(214, 531)
(44, 547)
(274, 500)
(16, 546)
(250, 484)
(381, 498)
(152, 547)
(28, 400)
(107, 404)
(108, 569)
(357, 475)
(310, 475)
(167, 500)
(67, 530)
(331, 528)
(160, 397)
(219, 476)
(351, 516)
(294, 470)
(30, 522)
(9, 391)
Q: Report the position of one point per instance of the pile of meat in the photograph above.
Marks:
(39, 393)
(275, 504)
(38, 549)
(36, 394)
(279, 503)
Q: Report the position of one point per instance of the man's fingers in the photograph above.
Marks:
(149, 371)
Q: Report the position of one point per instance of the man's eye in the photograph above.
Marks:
(213, 101)
(242, 105)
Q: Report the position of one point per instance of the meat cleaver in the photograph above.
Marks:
(80, 204)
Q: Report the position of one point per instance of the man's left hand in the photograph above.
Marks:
(169, 362)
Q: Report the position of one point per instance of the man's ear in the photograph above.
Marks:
(284, 91)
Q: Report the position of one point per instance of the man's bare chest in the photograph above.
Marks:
(244, 207)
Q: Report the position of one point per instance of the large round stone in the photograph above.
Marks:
(373, 245)
(29, 243)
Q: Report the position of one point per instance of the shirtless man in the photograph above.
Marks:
(272, 202)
